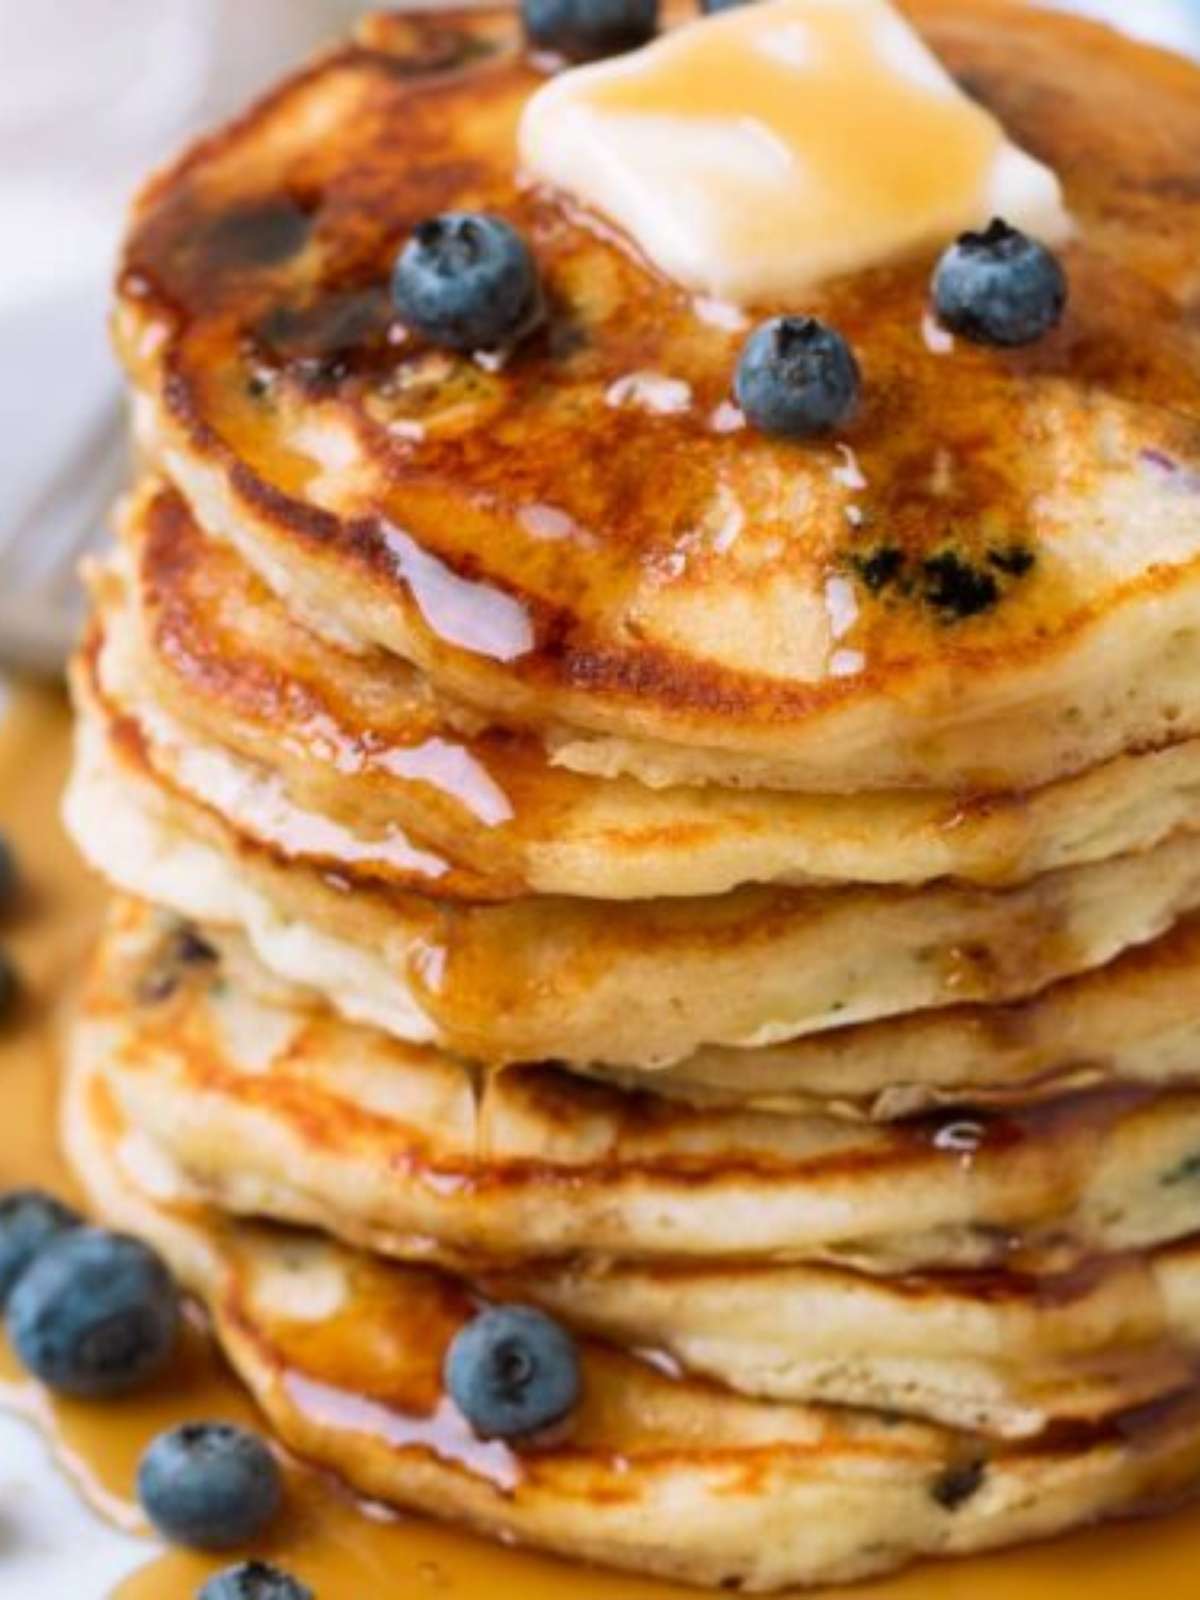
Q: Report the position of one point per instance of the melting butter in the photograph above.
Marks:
(756, 151)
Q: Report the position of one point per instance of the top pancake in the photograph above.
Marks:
(651, 592)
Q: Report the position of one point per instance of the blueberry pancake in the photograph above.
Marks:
(653, 1472)
(363, 740)
(639, 983)
(278, 1107)
(1013, 596)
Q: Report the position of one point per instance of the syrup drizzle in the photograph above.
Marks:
(445, 1432)
(473, 615)
(452, 769)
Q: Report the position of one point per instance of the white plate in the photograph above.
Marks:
(51, 1546)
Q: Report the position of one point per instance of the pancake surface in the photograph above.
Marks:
(280, 1108)
(641, 983)
(655, 1473)
(364, 741)
(696, 599)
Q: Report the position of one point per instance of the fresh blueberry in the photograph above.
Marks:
(512, 1372)
(209, 1485)
(999, 287)
(29, 1220)
(254, 1580)
(468, 281)
(94, 1314)
(796, 377)
(584, 30)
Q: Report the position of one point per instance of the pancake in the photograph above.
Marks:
(634, 983)
(280, 1109)
(1133, 1021)
(656, 1474)
(998, 1353)
(362, 741)
(1014, 595)
(207, 1058)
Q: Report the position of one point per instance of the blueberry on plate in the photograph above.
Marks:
(29, 1220)
(584, 30)
(999, 287)
(512, 1372)
(796, 378)
(209, 1485)
(94, 1314)
(468, 281)
(254, 1580)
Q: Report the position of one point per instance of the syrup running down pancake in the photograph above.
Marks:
(634, 983)
(645, 1223)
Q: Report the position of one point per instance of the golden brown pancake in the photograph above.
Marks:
(1132, 1021)
(635, 983)
(362, 740)
(654, 1473)
(267, 1106)
(278, 1108)
(651, 592)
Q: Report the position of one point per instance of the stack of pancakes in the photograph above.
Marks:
(741, 897)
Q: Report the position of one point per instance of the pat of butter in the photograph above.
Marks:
(756, 151)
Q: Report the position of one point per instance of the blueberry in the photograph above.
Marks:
(253, 1580)
(94, 1314)
(796, 377)
(209, 1485)
(468, 281)
(513, 1371)
(29, 1220)
(584, 30)
(999, 287)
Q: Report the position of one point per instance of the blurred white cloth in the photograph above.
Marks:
(92, 94)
